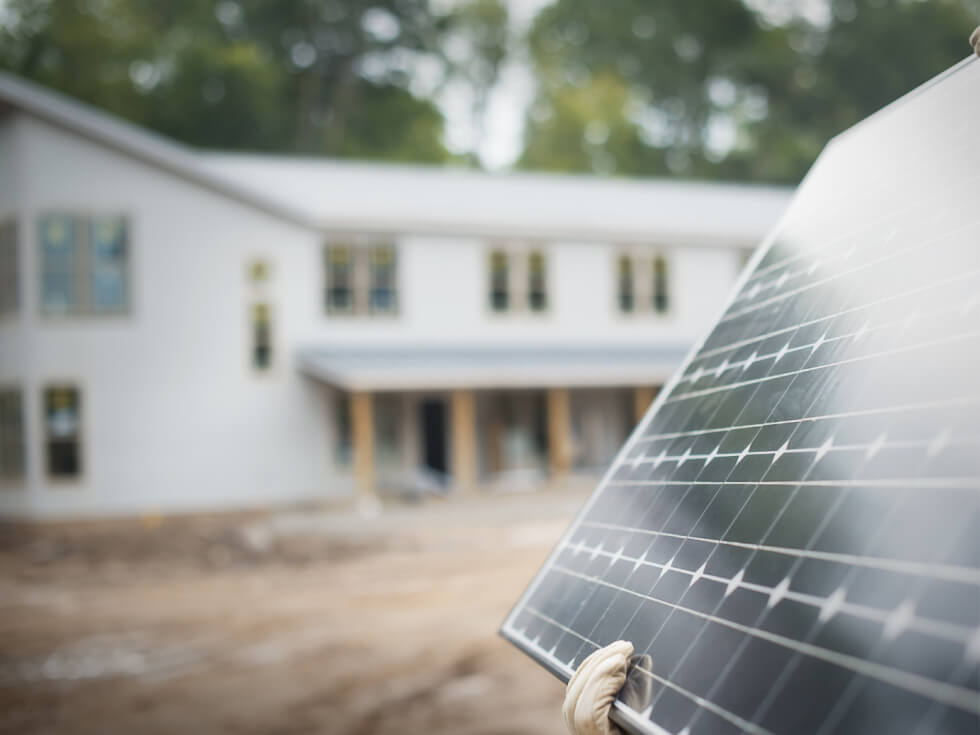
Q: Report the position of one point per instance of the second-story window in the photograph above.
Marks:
(624, 283)
(518, 280)
(9, 269)
(107, 265)
(340, 279)
(84, 265)
(537, 286)
(362, 279)
(661, 285)
(499, 281)
(643, 283)
(383, 296)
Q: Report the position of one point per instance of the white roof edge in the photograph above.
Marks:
(113, 132)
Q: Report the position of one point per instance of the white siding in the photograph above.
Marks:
(174, 417)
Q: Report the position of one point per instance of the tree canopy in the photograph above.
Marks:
(734, 89)
(338, 77)
(723, 88)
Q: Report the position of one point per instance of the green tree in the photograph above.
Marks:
(719, 88)
(335, 77)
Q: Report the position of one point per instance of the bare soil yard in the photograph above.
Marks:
(306, 622)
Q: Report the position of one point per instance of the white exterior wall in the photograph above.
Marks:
(444, 298)
(173, 415)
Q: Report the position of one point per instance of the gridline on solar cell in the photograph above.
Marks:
(791, 537)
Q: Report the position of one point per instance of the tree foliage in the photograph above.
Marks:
(722, 88)
(337, 77)
(735, 89)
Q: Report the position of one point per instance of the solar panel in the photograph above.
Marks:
(791, 536)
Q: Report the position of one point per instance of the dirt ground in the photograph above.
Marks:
(281, 623)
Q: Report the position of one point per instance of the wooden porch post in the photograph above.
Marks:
(362, 431)
(463, 420)
(559, 440)
(642, 398)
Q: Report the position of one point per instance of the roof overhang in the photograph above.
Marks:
(421, 368)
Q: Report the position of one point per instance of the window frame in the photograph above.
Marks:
(660, 297)
(538, 273)
(625, 277)
(646, 284)
(52, 478)
(517, 276)
(255, 336)
(499, 274)
(374, 267)
(82, 272)
(362, 277)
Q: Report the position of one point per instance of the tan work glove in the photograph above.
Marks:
(592, 689)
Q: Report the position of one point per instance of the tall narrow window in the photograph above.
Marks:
(340, 279)
(499, 276)
(383, 296)
(624, 280)
(537, 285)
(9, 269)
(11, 435)
(61, 260)
(343, 446)
(107, 265)
(661, 285)
(63, 431)
(261, 337)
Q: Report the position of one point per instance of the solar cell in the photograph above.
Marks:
(791, 537)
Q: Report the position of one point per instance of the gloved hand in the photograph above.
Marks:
(592, 689)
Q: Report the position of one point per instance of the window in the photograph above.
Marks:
(9, 269)
(62, 430)
(361, 279)
(258, 271)
(107, 265)
(261, 337)
(499, 286)
(84, 265)
(624, 275)
(11, 434)
(340, 279)
(661, 290)
(537, 286)
(59, 263)
(344, 444)
(383, 298)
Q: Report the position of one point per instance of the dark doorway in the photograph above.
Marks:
(433, 419)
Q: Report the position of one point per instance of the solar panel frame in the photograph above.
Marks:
(622, 713)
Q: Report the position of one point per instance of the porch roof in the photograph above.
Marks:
(438, 367)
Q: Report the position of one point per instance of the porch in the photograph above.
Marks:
(459, 422)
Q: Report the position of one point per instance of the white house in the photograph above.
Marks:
(185, 330)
